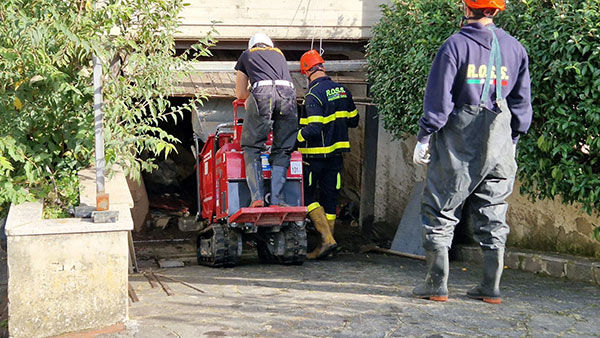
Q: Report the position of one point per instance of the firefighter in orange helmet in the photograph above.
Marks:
(323, 138)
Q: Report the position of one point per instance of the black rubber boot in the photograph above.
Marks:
(435, 286)
(489, 288)
(278, 177)
(254, 178)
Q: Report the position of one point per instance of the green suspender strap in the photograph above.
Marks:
(495, 60)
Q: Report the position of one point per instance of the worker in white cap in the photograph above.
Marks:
(270, 104)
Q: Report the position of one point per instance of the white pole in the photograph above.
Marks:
(101, 196)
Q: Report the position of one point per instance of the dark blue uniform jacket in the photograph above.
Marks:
(329, 112)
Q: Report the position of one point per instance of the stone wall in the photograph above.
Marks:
(544, 225)
(69, 274)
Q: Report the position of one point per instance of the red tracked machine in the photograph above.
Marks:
(223, 200)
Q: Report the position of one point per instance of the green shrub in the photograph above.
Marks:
(560, 156)
(46, 112)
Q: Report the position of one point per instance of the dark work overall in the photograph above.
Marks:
(472, 158)
(271, 106)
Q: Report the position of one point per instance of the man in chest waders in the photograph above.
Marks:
(477, 104)
(270, 103)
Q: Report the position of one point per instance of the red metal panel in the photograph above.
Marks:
(269, 215)
(235, 165)
(221, 191)
(207, 170)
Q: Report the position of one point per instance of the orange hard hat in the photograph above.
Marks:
(480, 4)
(309, 60)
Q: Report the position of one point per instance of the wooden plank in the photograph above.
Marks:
(222, 85)
(151, 279)
(132, 294)
(294, 66)
(375, 248)
(164, 286)
(182, 282)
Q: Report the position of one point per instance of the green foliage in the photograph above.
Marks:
(560, 156)
(400, 54)
(46, 106)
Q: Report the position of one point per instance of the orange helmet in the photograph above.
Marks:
(309, 60)
(480, 4)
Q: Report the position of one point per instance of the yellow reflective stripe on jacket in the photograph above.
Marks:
(320, 119)
(299, 137)
(330, 217)
(325, 150)
(313, 206)
(311, 119)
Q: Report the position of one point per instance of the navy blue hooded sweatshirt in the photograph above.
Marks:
(458, 74)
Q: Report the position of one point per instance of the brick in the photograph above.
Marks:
(105, 216)
(532, 263)
(171, 263)
(553, 266)
(84, 211)
(580, 271)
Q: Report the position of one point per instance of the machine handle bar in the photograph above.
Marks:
(237, 103)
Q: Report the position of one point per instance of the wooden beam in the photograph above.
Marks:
(375, 248)
(294, 66)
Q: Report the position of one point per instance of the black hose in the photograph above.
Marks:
(197, 155)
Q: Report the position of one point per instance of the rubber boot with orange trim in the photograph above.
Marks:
(327, 244)
(489, 288)
(435, 286)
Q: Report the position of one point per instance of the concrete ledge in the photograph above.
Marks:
(68, 275)
(555, 265)
(26, 219)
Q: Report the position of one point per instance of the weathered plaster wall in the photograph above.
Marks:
(285, 19)
(551, 226)
(63, 283)
(68, 274)
(544, 225)
(396, 176)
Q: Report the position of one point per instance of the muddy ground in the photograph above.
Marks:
(349, 295)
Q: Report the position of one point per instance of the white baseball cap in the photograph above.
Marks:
(260, 38)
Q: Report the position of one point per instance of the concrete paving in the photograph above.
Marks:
(355, 295)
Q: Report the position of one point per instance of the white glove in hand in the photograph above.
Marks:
(421, 154)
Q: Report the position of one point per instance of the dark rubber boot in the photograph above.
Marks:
(254, 178)
(435, 286)
(278, 177)
(489, 288)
